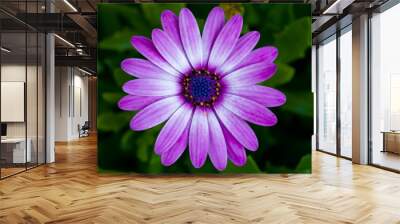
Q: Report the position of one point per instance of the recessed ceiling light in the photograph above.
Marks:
(70, 5)
(64, 40)
(84, 71)
(5, 50)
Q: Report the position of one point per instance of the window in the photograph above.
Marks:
(345, 92)
(327, 95)
(385, 89)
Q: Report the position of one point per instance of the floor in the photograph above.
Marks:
(71, 191)
(387, 159)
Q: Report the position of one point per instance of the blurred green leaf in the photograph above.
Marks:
(294, 40)
(154, 165)
(250, 167)
(127, 140)
(119, 41)
(121, 77)
(145, 146)
(299, 103)
(112, 121)
(269, 168)
(142, 152)
(304, 164)
(283, 75)
(112, 97)
(152, 12)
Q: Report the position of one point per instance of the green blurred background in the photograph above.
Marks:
(284, 148)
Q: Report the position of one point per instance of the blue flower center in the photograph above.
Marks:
(201, 87)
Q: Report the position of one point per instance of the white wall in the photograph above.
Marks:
(71, 102)
(314, 91)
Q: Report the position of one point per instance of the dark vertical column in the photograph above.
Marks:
(369, 78)
(317, 96)
(338, 80)
(37, 88)
(26, 86)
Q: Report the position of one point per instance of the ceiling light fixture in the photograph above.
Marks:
(5, 50)
(329, 9)
(84, 71)
(65, 41)
(70, 5)
(337, 7)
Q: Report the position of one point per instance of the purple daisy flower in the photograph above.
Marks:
(204, 86)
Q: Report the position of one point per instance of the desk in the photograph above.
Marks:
(391, 141)
(18, 150)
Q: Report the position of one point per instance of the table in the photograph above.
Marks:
(391, 141)
(19, 155)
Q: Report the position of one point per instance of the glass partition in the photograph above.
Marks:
(22, 77)
(385, 89)
(327, 95)
(346, 92)
(14, 153)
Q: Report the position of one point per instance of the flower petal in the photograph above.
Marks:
(225, 42)
(144, 69)
(236, 151)
(212, 27)
(264, 54)
(173, 129)
(146, 47)
(237, 127)
(155, 113)
(250, 75)
(151, 87)
(217, 150)
(170, 156)
(172, 53)
(249, 110)
(191, 38)
(199, 138)
(170, 24)
(243, 47)
(266, 96)
(131, 103)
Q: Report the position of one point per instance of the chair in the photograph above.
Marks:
(84, 130)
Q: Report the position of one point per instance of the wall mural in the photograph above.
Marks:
(205, 88)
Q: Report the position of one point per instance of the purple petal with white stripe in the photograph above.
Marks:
(212, 27)
(249, 110)
(131, 103)
(264, 54)
(155, 113)
(250, 75)
(191, 38)
(170, 24)
(173, 129)
(225, 42)
(172, 53)
(144, 69)
(217, 151)
(236, 151)
(243, 47)
(151, 87)
(237, 127)
(146, 47)
(266, 96)
(170, 156)
(199, 137)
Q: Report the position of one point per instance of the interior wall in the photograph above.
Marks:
(92, 98)
(15, 72)
(71, 102)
